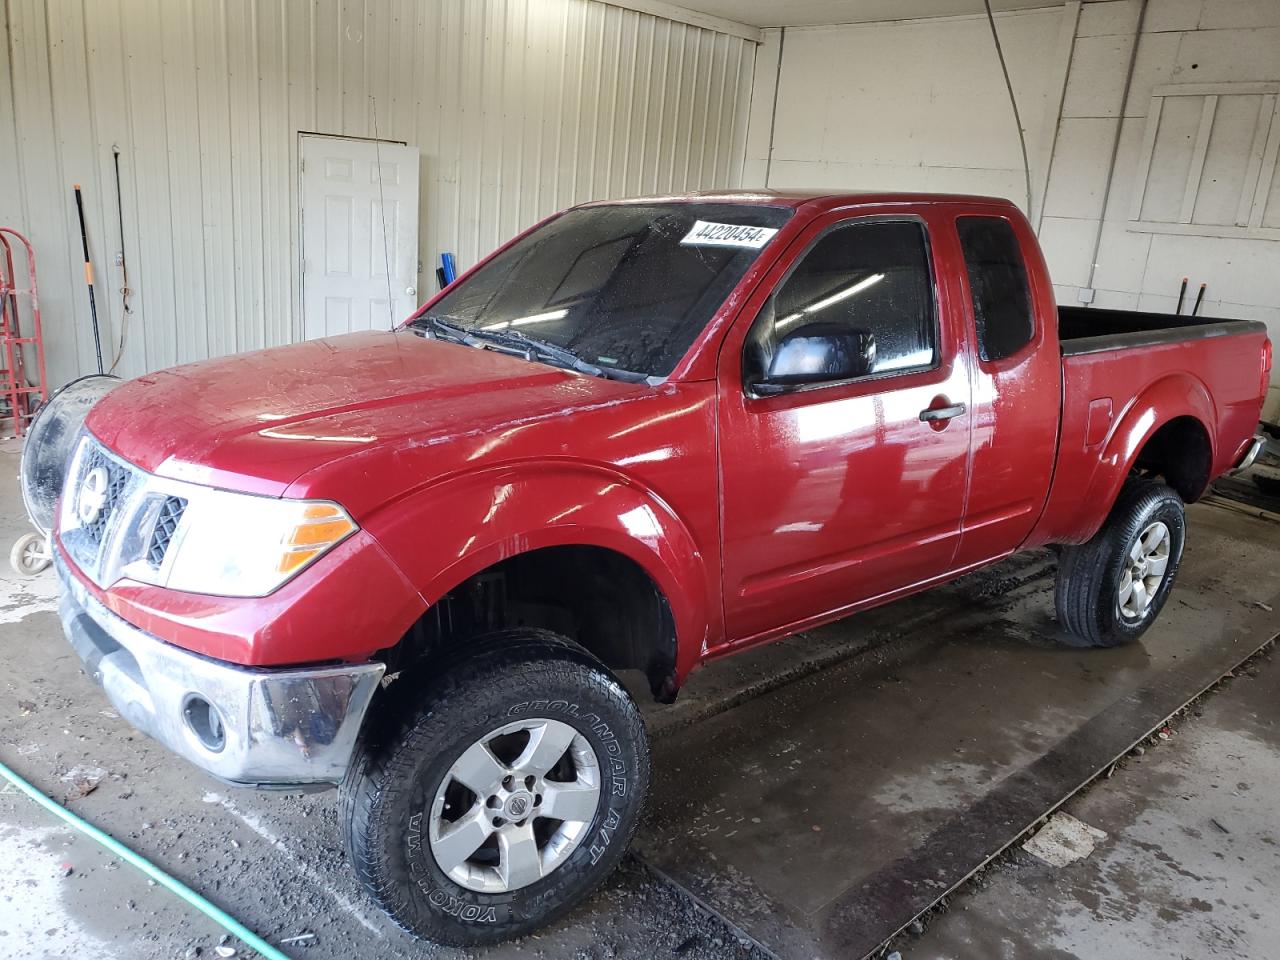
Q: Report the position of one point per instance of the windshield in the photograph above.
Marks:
(621, 289)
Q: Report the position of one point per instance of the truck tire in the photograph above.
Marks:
(450, 806)
(1111, 589)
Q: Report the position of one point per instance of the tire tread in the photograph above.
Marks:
(385, 753)
(1081, 580)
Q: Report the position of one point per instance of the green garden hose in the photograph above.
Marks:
(220, 917)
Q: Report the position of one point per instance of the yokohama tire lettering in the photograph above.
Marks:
(453, 907)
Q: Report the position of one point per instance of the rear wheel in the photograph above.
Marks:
(500, 792)
(1111, 589)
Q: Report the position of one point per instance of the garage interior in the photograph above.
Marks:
(258, 173)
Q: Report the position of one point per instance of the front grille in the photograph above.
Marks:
(102, 507)
(166, 524)
(117, 478)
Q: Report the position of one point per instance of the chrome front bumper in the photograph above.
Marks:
(269, 728)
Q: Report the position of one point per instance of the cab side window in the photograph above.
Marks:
(871, 279)
(998, 285)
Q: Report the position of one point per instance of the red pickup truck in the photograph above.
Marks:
(642, 435)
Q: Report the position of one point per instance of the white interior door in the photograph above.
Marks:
(359, 212)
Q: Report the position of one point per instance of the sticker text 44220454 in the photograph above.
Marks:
(707, 234)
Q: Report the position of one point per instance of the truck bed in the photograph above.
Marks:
(1090, 329)
(1124, 372)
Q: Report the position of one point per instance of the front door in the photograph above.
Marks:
(837, 493)
(359, 215)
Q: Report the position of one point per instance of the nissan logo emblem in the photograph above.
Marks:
(92, 496)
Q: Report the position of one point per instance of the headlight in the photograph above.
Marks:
(238, 545)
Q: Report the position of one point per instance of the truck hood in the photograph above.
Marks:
(258, 421)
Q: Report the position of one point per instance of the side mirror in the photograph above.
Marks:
(818, 353)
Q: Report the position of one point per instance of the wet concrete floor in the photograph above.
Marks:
(1189, 866)
(826, 815)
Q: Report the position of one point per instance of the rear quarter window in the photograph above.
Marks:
(998, 286)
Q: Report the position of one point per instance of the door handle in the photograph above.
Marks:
(934, 414)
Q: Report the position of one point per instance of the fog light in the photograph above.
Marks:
(205, 722)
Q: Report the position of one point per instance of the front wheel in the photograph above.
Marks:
(1111, 589)
(502, 792)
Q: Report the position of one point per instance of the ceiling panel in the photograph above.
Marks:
(798, 13)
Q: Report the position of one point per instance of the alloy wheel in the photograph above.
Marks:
(515, 805)
(1144, 570)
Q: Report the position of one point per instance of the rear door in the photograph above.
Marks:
(1017, 382)
(840, 492)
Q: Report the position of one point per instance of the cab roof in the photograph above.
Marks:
(816, 198)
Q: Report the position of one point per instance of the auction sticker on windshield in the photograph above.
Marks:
(707, 234)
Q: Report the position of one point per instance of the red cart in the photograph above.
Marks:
(19, 398)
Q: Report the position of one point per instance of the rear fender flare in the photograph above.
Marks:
(1171, 397)
(444, 534)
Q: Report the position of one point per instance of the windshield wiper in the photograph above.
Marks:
(564, 355)
(439, 327)
(531, 348)
(545, 348)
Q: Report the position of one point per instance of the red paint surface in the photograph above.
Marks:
(756, 517)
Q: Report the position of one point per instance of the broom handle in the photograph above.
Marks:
(88, 278)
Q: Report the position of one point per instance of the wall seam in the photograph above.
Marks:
(773, 113)
(1115, 147)
(1071, 26)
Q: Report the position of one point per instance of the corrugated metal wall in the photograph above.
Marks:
(519, 108)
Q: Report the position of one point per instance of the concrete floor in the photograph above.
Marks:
(1190, 865)
(827, 814)
(276, 862)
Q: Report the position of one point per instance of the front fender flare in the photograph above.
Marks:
(441, 535)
